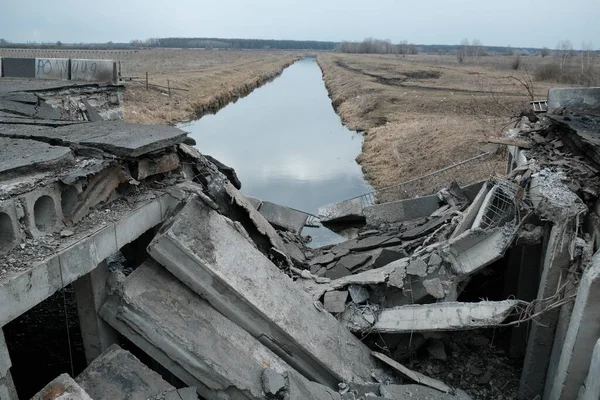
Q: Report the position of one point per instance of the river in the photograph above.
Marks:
(287, 144)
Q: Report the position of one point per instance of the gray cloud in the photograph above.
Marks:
(520, 23)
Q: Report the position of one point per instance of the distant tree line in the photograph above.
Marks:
(370, 45)
(219, 43)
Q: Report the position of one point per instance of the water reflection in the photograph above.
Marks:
(287, 144)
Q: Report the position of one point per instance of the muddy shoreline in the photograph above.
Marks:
(224, 99)
(201, 92)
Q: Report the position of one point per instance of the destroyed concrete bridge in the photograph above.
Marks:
(182, 288)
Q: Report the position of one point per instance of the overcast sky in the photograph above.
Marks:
(519, 23)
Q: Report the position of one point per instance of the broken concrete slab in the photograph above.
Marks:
(581, 337)
(354, 261)
(471, 212)
(147, 167)
(43, 111)
(283, 217)
(250, 290)
(478, 248)
(419, 392)
(63, 388)
(187, 336)
(430, 226)
(21, 97)
(577, 99)
(259, 222)
(188, 393)
(191, 339)
(415, 376)
(372, 277)
(118, 375)
(23, 289)
(227, 171)
(337, 271)
(256, 202)
(440, 316)
(323, 259)
(119, 138)
(19, 155)
(402, 210)
(343, 211)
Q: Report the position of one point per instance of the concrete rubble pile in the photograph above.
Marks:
(224, 297)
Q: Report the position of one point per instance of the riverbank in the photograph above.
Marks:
(210, 79)
(422, 113)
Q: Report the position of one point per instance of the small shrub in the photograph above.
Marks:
(548, 72)
(516, 62)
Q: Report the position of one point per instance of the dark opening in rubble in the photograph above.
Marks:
(68, 199)
(44, 213)
(7, 232)
(38, 346)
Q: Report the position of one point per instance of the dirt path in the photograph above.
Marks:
(419, 116)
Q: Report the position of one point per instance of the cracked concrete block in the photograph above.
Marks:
(436, 316)
(52, 68)
(478, 248)
(402, 210)
(21, 155)
(191, 339)
(63, 388)
(18, 67)
(273, 382)
(343, 211)
(434, 260)
(43, 212)
(581, 99)
(117, 375)
(147, 167)
(283, 217)
(250, 290)
(434, 288)
(417, 267)
(93, 70)
(335, 301)
(10, 231)
(256, 202)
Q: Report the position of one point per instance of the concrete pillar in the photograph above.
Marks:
(7, 387)
(541, 335)
(582, 336)
(591, 391)
(90, 294)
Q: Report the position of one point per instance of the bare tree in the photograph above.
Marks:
(545, 52)
(564, 50)
(463, 51)
(476, 49)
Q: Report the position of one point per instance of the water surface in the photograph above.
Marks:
(287, 144)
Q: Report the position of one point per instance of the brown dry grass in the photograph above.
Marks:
(422, 113)
(210, 84)
(212, 78)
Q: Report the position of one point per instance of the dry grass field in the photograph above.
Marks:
(422, 113)
(211, 78)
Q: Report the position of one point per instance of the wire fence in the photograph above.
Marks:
(465, 172)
